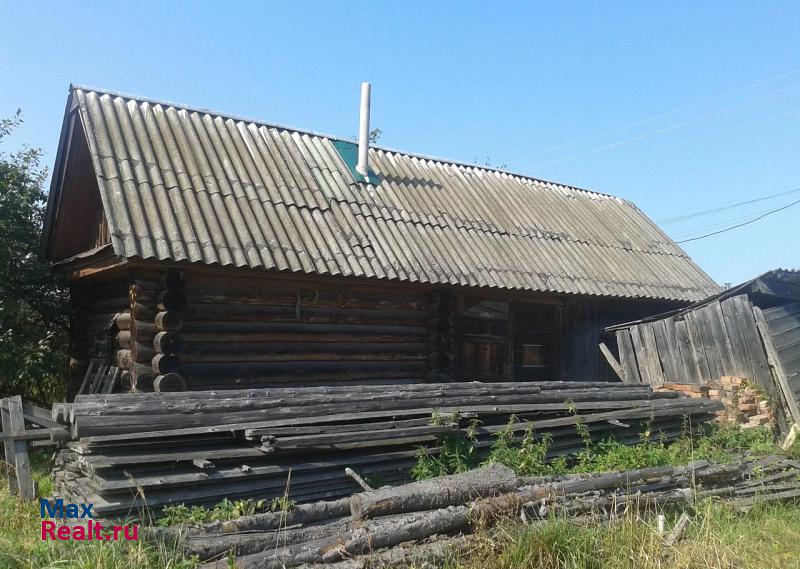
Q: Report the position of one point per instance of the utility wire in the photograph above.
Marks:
(655, 117)
(700, 229)
(725, 207)
(762, 216)
(681, 143)
(675, 126)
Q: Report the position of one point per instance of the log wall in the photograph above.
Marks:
(257, 332)
(173, 330)
(93, 326)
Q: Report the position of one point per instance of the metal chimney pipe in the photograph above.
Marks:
(363, 131)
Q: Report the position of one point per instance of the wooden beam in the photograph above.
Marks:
(612, 361)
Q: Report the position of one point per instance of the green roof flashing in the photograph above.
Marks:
(349, 153)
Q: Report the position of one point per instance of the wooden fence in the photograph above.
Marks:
(727, 336)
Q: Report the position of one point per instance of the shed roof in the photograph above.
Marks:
(190, 185)
(778, 285)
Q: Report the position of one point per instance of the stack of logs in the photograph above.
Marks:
(374, 522)
(153, 449)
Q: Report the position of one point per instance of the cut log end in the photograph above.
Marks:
(169, 382)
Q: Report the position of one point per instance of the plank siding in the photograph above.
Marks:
(689, 357)
(704, 344)
(627, 357)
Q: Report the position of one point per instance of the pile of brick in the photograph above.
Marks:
(745, 405)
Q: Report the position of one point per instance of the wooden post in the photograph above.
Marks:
(19, 473)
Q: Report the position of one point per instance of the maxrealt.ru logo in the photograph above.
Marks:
(78, 524)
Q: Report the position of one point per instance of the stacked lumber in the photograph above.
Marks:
(374, 523)
(153, 449)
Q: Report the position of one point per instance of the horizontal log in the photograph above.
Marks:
(300, 514)
(169, 321)
(226, 337)
(168, 342)
(107, 305)
(169, 382)
(174, 280)
(496, 387)
(123, 320)
(143, 353)
(266, 370)
(232, 350)
(206, 547)
(297, 327)
(435, 493)
(164, 363)
(256, 313)
(357, 439)
(316, 297)
(143, 311)
(301, 358)
(123, 340)
(411, 395)
(123, 359)
(143, 331)
(171, 300)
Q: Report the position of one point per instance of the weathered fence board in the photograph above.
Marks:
(16, 450)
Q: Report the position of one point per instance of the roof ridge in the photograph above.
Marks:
(235, 117)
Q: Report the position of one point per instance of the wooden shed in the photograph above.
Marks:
(751, 331)
(205, 250)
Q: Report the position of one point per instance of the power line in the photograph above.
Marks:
(725, 207)
(762, 216)
(682, 143)
(700, 229)
(675, 126)
(657, 116)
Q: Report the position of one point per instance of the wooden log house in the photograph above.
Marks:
(207, 251)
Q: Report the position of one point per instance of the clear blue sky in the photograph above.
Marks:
(712, 90)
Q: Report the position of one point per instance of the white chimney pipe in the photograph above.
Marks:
(363, 131)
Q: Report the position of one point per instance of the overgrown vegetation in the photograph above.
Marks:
(21, 546)
(181, 514)
(33, 310)
(529, 454)
(719, 537)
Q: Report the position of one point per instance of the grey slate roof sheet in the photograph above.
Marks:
(180, 184)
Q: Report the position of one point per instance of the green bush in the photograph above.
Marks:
(33, 308)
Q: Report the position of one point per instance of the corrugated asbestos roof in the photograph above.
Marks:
(180, 184)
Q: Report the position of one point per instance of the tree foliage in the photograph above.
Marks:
(33, 308)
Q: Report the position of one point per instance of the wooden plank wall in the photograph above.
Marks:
(720, 338)
(259, 332)
(783, 323)
(581, 325)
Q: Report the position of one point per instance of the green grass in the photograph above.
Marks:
(528, 455)
(767, 537)
(21, 546)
